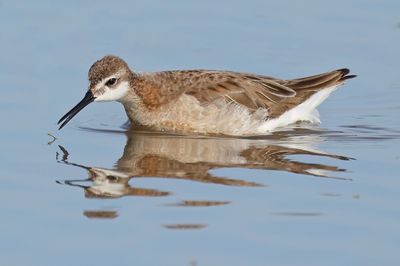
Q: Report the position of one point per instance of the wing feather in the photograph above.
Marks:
(249, 90)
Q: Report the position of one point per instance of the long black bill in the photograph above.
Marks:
(77, 108)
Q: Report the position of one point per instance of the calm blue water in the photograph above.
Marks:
(314, 195)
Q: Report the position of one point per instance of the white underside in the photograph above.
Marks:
(303, 112)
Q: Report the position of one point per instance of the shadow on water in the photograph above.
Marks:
(191, 158)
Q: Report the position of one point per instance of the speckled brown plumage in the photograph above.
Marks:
(250, 90)
(105, 67)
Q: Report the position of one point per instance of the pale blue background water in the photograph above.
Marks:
(46, 50)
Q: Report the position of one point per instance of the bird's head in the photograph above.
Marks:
(109, 80)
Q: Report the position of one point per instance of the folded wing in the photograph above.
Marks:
(249, 90)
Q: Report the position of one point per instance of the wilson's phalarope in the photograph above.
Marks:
(207, 101)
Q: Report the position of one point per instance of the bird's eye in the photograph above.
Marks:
(111, 81)
(112, 178)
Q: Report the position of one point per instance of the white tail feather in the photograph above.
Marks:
(303, 112)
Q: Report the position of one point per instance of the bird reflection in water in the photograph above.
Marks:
(100, 214)
(105, 183)
(192, 158)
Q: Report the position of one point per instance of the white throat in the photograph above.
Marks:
(115, 94)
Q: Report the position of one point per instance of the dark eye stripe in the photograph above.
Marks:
(111, 81)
